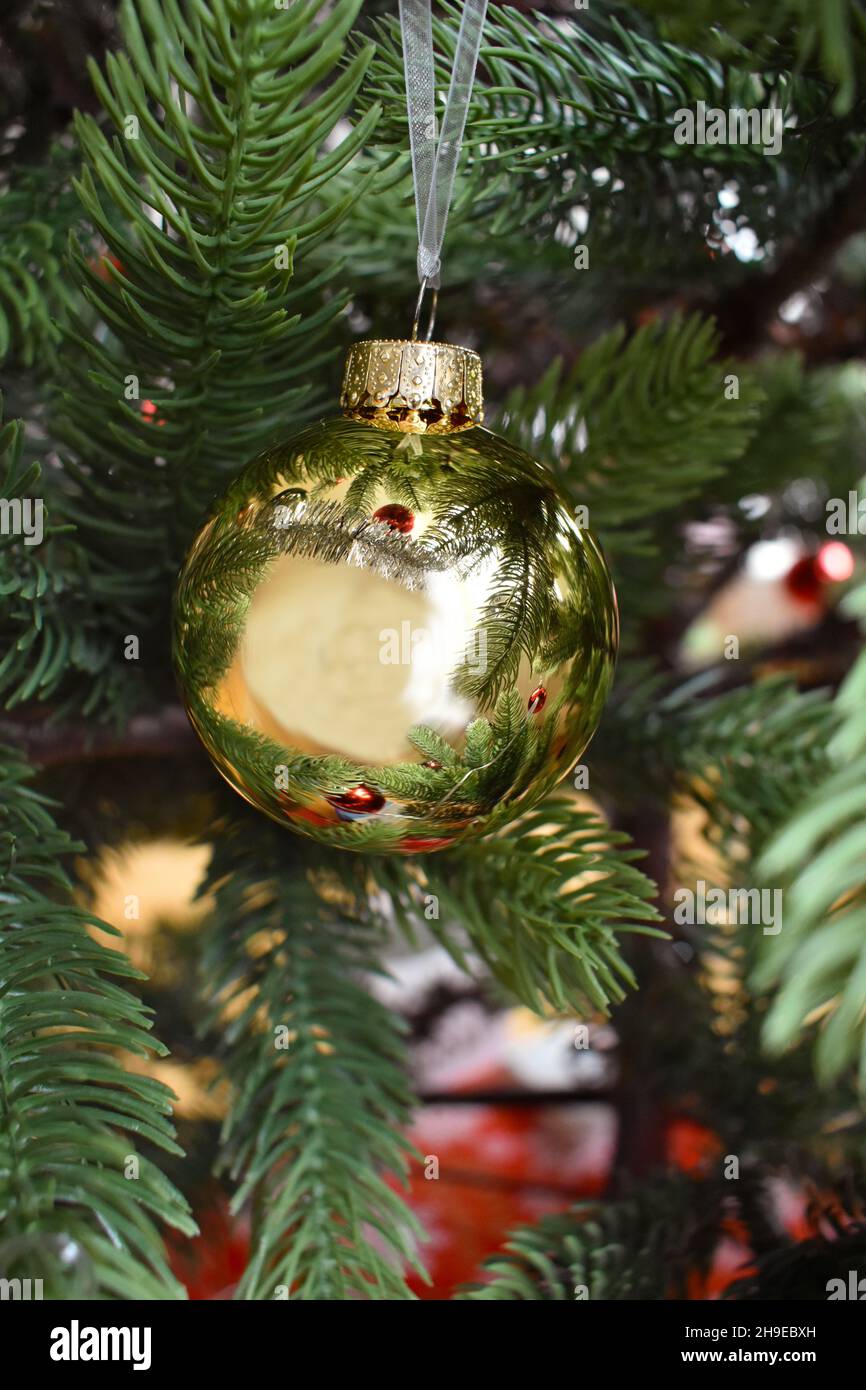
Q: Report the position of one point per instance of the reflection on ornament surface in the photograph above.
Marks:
(390, 648)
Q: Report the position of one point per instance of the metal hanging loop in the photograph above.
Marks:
(432, 320)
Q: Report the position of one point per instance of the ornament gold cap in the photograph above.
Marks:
(414, 387)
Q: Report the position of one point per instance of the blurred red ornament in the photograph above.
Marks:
(835, 562)
(537, 700)
(691, 1146)
(395, 517)
(803, 580)
(361, 800)
(148, 410)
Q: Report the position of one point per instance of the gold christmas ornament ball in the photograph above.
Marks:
(393, 640)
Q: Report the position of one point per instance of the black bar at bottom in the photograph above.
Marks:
(88, 1341)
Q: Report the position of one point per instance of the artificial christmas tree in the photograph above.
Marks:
(671, 334)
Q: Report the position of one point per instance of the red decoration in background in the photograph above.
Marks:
(148, 410)
(361, 800)
(732, 1259)
(502, 1166)
(833, 563)
(211, 1264)
(803, 582)
(395, 517)
(537, 700)
(691, 1146)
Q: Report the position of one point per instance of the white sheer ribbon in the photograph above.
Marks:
(434, 160)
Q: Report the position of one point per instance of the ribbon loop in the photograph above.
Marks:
(434, 161)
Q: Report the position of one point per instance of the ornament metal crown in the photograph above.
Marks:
(415, 387)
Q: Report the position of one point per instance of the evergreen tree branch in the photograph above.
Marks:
(37, 210)
(794, 33)
(316, 1067)
(54, 643)
(547, 88)
(818, 961)
(637, 426)
(747, 755)
(641, 1247)
(570, 140)
(70, 1116)
(810, 424)
(541, 905)
(210, 197)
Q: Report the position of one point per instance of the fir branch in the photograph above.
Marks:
(789, 33)
(549, 88)
(809, 424)
(658, 1243)
(314, 1126)
(642, 1247)
(748, 756)
(55, 645)
(818, 961)
(541, 905)
(639, 425)
(210, 197)
(37, 210)
(70, 1115)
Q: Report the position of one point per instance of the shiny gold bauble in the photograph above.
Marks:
(393, 640)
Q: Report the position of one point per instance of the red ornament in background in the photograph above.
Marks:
(148, 410)
(803, 582)
(691, 1146)
(537, 700)
(361, 800)
(833, 563)
(395, 517)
